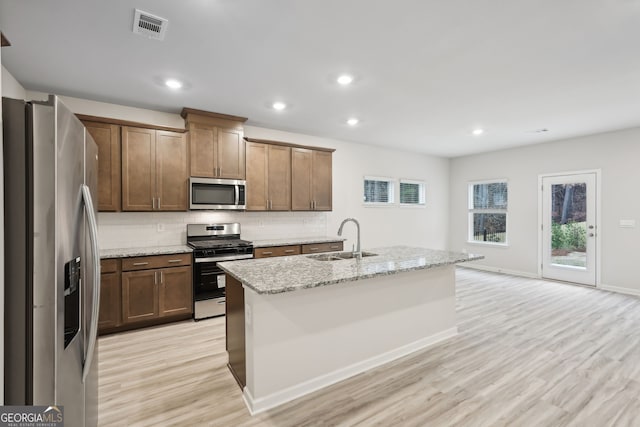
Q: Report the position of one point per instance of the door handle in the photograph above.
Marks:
(175, 260)
(140, 263)
(158, 203)
(93, 237)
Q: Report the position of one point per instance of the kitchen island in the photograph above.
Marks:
(300, 323)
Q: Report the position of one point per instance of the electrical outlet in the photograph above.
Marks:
(160, 227)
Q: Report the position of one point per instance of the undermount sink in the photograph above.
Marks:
(338, 256)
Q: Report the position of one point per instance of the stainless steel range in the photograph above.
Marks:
(213, 243)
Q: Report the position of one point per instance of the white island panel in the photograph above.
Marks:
(298, 342)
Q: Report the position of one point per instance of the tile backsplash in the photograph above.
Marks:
(143, 229)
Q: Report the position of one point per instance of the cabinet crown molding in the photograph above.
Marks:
(191, 115)
(128, 123)
(289, 144)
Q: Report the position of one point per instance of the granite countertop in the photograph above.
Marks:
(286, 274)
(265, 243)
(154, 250)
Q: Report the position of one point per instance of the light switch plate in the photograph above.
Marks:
(627, 223)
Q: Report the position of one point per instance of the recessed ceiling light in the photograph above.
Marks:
(279, 106)
(173, 83)
(353, 121)
(478, 132)
(345, 79)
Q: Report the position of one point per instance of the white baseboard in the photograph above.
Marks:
(618, 289)
(500, 270)
(262, 404)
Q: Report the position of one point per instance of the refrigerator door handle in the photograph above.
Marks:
(93, 236)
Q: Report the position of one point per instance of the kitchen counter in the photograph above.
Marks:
(283, 344)
(286, 274)
(153, 250)
(265, 243)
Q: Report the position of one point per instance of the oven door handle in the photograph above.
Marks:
(223, 258)
(237, 188)
(215, 273)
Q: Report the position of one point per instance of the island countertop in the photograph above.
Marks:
(291, 273)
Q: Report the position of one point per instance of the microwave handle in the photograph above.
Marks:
(237, 187)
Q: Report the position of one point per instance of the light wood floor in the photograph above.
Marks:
(529, 353)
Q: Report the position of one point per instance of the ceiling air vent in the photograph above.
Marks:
(149, 25)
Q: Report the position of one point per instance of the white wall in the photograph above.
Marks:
(616, 154)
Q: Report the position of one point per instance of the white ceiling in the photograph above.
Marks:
(427, 71)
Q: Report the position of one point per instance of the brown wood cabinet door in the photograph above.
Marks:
(257, 177)
(279, 178)
(202, 141)
(171, 171)
(321, 181)
(301, 160)
(230, 154)
(107, 138)
(110, 301)
(235, 330)
(138, 169)
(176, 291)
(140, 295)
(276, 251)
(314, 248)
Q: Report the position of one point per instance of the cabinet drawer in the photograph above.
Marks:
(322, 247)
(275, 251)
(156, 261)
(109, 265)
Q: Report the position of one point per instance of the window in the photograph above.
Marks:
(378, 191)
(488, 212)
(412, 193)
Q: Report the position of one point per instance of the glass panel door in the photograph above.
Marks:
(569, 228)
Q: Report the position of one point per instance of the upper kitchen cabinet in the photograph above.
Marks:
(107, 138)
(268, 177)
(154, 170)
(311, 178)
(217, 144)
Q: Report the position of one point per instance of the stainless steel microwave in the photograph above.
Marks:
(215, 193)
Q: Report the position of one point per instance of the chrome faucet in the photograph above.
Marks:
(357, 253)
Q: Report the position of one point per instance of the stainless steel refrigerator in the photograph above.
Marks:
(52, 264)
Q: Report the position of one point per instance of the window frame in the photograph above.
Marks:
(392, 186)
(471, 211)
(423, 193)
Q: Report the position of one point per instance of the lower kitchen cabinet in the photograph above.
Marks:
(145, 291)
(175, 291)
(140, 296)
(315, 248)
(312, 248)
(110, 295)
